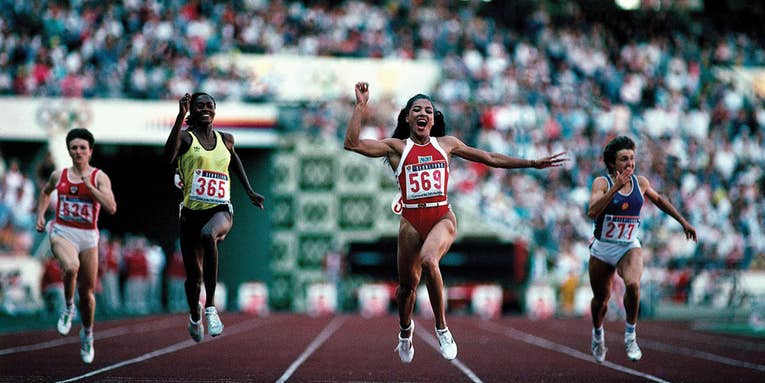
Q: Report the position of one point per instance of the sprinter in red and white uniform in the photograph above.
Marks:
(82, 191)
(419, 154)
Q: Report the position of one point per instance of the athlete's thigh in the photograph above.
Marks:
(441, 236)
(408, 251)
(219, 224)
(88, 267)
(64, 251)
(601, 274)
(630, 267)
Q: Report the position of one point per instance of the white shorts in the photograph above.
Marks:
(610, 252)
(82, 239)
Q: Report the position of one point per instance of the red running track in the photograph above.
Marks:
(349, 348)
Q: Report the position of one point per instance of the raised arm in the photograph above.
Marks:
(497, 160)
(369, 148)
(44, 199)
(238, 168)
(667, 207)
(178, 141)
(102, 191)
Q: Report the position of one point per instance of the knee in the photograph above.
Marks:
(632, 287)
(208, 237)
(601, 300)
(429, 264)
(404, 291)
(70, 267)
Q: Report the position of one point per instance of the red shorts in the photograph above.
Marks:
(423, 219)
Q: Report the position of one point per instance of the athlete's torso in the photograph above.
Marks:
(423, 173)
(77, 207)
(620, 221)
(204, 173)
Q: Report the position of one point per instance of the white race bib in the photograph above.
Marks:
(619, 228)
(73, 209)
(424, 180)
(209, 186)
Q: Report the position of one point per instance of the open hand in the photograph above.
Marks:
(555, 160)
(362, 93)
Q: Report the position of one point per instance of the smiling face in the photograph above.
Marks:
(203, 109)
(420, 118)
(80, 151)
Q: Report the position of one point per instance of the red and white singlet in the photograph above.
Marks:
(77, 207)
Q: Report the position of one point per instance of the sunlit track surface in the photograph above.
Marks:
(349, 348)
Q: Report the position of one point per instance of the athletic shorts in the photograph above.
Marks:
(610, 252)
(82, 239)
(192, 221)
(423, 219)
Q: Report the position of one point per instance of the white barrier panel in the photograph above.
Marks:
(374, 300)
(253, 298)
(540, 301)
(486, 301)
(220, 296)
(322, 299)
(20, 278)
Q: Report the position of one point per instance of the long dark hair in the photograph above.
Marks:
(192, 117)
(614, 146)
(402, 130)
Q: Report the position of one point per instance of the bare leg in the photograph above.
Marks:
(409, 272)
(600, 281)
(436, 245)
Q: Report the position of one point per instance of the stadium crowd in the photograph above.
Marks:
(537, 84)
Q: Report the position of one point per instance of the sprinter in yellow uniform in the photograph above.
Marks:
(204, 157)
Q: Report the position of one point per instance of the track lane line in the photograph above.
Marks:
(430, 339)
(333, 326)
(99, 335)
(658, 346)
(550, 345)
(232, 330)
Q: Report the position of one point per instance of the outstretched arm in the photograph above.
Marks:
(369, 148)
(667, 207)
(497, 160)
(238, 169)
(178, 141)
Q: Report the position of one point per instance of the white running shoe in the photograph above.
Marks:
(87, 353)
(446, 344)
(214, 325)
(65, 321)
(405, 347)
(633, 351)
(197, 330)
(599, 349)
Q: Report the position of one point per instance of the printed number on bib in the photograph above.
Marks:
(425, 180)
(209, 186)
(619, 228)
(75, 210)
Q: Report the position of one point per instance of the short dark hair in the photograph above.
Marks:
(80, 133)
(191, 118)
(402, 127)
(613, 147)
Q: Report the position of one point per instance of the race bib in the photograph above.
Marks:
(209, 186)
(425, 180)
(619, 228)
(73, 209)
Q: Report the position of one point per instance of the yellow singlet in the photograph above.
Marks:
(204, 174)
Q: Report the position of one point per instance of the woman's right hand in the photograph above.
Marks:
(183, 104)
(40, 225)
(362, 93)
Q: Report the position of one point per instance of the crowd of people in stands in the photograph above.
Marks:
(545, 83)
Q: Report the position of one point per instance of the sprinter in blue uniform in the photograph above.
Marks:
(615, 204)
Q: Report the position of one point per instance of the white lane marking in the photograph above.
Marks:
(315, 344)
(233, 330)
(699, 354)
(430, 339)
(110, 333)
(549, 345)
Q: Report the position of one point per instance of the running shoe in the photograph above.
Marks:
(65, 321)
(599, 349)
(87, 353)
(405, 347)
(197, 329)
(633, 351)
(214, 325)
(446, 344)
